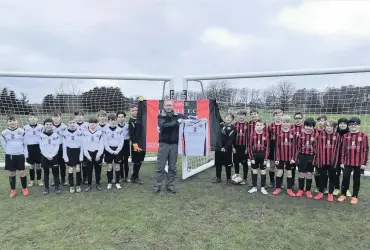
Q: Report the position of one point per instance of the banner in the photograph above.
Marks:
(149, 110)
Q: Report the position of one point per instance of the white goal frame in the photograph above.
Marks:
(263, 74)
(164, 79)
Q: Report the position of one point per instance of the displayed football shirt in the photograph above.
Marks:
(193, 137)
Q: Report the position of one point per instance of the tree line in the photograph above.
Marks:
(345, 99)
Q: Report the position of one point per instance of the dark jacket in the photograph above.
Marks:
(136, 131)
(228, 133)
(168, 127)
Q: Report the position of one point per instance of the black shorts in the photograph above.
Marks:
(137, 157)
(223, 158)
(286, 164)
(272, 150)
(126, 148)
(14, 162)
(93, 157)
(53, 163)
(110, 158)
(305, 163)
(259, 158)
(60, 154)
(73, 155)
(34, 154)
(240, 156)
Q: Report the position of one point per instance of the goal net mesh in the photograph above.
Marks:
(20, 96)
(336, 96)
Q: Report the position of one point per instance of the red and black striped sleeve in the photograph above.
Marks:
(336, 150)
(365, 149)
(267, 146)
(250, 148)
(277, 147)
(344, 150)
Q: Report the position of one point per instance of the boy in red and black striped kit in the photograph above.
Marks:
(258, 151)
(298, 128)
(355, 149)
(320, 121)
(240, 145)
(306, 149)
(328, 143)
(273, 130)
(285, 155)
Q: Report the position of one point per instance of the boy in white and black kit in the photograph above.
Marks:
(59, 129)
(124, 167)
(83, 126)
(49, 145)
(113, 143)
(33, 131)
(93, 146)
(73, 154)
(13, 143)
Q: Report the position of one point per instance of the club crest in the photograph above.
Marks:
(359, 139)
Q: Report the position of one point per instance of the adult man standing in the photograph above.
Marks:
(168, 128)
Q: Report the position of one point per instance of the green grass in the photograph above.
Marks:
(200, 216)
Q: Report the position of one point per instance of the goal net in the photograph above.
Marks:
(336, 93)
(42, 94)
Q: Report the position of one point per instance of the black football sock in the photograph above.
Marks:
(301, 183)
(263, 180)
(278, 182)
(24, 181)
(110, 176)
(118, 176)
(32, 174)
(289, 181)
(272, 177)
(236, 167)
(70, 179)
(254, 180)
(293, 176)
(228, 172)
(121, 170)
(12, 182)
(38, 174)
(78, 178)
(317, 180)
(308, 184)
(245, 171)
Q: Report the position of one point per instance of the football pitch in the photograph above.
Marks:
(201, 215)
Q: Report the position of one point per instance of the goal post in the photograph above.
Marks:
(334, 92)
(42, 93)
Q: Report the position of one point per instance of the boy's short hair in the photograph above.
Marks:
(71, 118)
(48, 120)
(310, 122)
(331, 123)
(133, 106)
(354, 120)
(242, 112)
(277, 111)
(259, 121)
(93, 120)
(322, 117)
(344, 120)
(57, 113)
(298, 113)
(11, 118)
(286, 118)
(121, 113)
(230, 114)
(112, 117)
(79, 112)
(102, 113)
(253, 111)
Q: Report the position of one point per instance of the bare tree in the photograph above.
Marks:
(285, 92)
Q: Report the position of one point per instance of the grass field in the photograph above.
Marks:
(201, 215)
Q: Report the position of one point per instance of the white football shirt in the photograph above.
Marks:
(195, 137)
(33, 133)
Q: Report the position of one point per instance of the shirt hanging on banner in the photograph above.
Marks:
(193, 137)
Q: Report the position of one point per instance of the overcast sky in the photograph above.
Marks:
(180, 37)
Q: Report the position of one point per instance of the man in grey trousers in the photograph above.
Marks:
(168, 128)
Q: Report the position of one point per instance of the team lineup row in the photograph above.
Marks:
(80, 147)
(322, 152)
